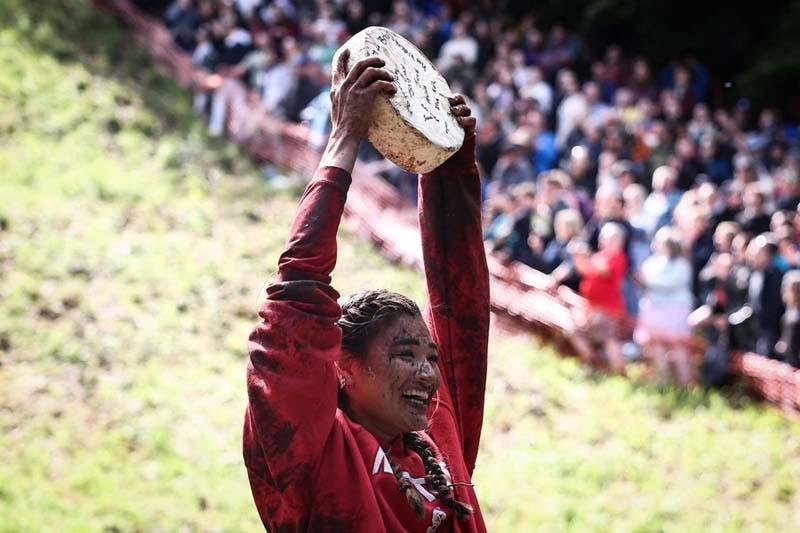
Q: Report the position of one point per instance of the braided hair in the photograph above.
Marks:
(362, 315)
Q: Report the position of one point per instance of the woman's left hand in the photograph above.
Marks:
(462, 112)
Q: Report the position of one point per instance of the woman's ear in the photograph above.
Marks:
(345, 369)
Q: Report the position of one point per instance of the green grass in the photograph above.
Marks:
(132, 257)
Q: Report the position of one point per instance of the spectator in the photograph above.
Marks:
(754, 217)
(658, 207)
(602, 274)
(310, 79)
(536, 87)
(663, 325)
(561, 51)
(500, 232)
(460, 44)
(573, 108)
(641, 82)
(608, 209)
(633, 197)
(513, 166)
(701, 126)
(277, 80)
(764, 295)
(555, 258)
(788, 347)
(716, 167)
(182, 20)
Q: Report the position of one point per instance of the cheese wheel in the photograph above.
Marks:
(413, 128)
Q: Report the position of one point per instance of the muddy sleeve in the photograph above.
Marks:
(291, 379)
(458, 289)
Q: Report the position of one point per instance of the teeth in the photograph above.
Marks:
(417, 394)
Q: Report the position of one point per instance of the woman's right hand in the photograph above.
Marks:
(352, 96)
(353, 93)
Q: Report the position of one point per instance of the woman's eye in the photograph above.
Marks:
(433, 359)
(405, 355)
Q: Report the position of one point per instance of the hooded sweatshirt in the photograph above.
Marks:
(312, 468)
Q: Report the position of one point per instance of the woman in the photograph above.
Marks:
(663, 326)
(361, 417)
(556, 259)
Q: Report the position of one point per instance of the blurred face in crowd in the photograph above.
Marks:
(567, 82)
(734, 197)
(568, 224)
(579, 162)
(623, 98)
(723, 263)
(261, 40)
(789, 251)
(598, 71)
(355, 9)
(684, 149)
(612, 238)
(641, 71)
(708, 149)
(633, 196)
(707, 195)
(757, 253)
(738, 247)
(700, 113)
(790, 290)
(682, 76)
(607, 204)
(745, 171)
(767, 120)
(592, 92)
(754, 198)
(723, 237)
(558, 35)
(778, 220)
(663, 179)
(646, 107)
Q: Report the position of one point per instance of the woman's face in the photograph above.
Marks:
(391, 386)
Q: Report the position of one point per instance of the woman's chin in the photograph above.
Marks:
(417, 423)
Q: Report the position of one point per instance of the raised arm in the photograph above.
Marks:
(458, 282)
(291, 377)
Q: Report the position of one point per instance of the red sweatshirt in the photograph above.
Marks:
(311, 468)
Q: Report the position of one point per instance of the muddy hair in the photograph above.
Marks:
(363, 314)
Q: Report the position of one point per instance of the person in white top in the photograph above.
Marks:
(663, 328)
(572, 110)
(459, 44)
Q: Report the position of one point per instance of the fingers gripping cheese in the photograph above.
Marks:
(413, 128)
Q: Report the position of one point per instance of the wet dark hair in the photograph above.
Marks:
(366, 312)
(363, 315)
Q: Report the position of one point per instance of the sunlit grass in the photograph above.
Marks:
(132, 256)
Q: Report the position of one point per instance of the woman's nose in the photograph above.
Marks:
(425, 369)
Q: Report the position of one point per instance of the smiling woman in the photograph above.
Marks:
(365, 416)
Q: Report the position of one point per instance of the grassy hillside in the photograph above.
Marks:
(132, 253)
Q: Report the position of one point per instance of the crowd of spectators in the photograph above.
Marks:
(616, 177)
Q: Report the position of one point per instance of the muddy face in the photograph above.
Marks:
(391, 386)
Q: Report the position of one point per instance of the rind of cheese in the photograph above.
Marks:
(413, 128)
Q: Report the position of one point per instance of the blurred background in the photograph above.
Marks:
(639, 159)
